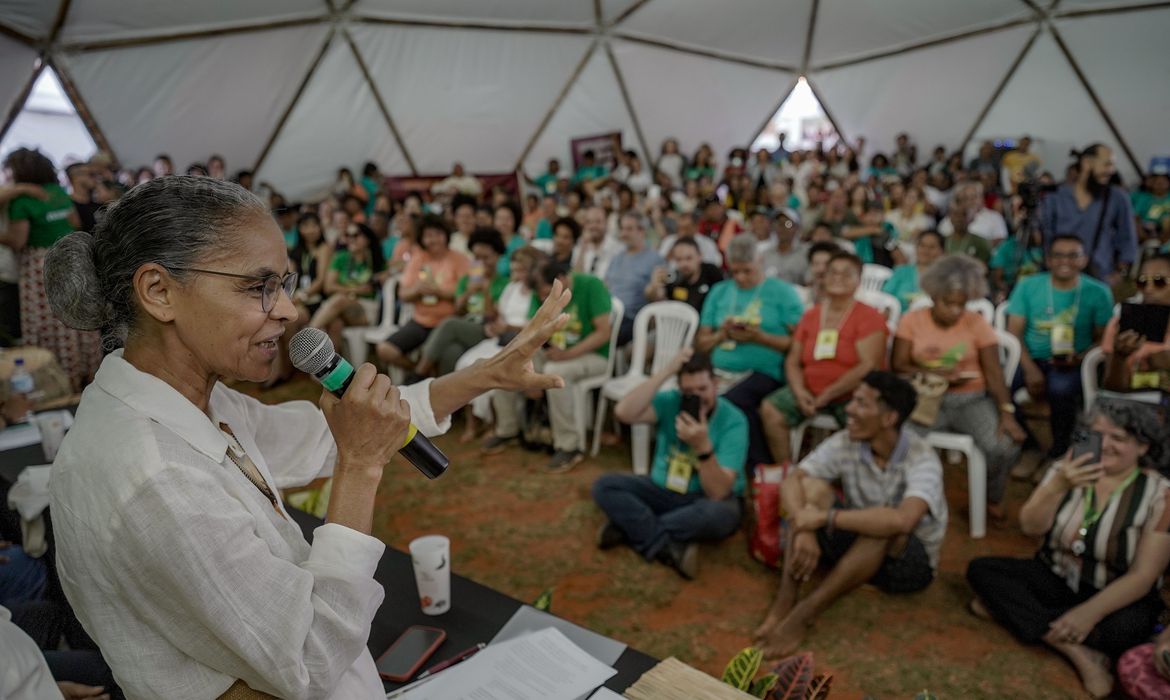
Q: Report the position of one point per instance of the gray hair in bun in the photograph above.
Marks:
(173, 221)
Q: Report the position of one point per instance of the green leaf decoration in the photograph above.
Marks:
(793, 677)
(763, 685)
(742, 668)
(544, 600)
(819, 688)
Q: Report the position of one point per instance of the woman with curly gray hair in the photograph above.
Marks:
(1091, 591)
(958, 346)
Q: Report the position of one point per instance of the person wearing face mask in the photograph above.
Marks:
(958, 345)
(904, 283)
(1091, 591)
(1096, 211)
(694, 488)
(689, 280)
(1132, 361)
(174, 546)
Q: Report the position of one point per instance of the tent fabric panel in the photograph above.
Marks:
(592, 106)
(18, 61)
(918, 92)
(776, 31)
(1045, 99)
(335, 123)
(848, 29)
(473, 96)
(518, 12)
(697, 99)
(196, 97)
(109, 19)
(32, 17)
(1129, 76)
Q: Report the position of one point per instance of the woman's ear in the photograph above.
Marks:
(155, 290)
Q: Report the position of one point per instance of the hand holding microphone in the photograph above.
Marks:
(368, 415)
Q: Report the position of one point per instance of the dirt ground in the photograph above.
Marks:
(519, 530)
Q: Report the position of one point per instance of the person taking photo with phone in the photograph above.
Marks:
(1091, 590)
(1134, 362)
(697, 478)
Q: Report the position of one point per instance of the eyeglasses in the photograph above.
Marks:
(269, 286)
(1065, 256)
(1158, 281)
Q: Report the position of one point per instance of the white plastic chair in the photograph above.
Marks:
(675, 325)
(796, 434)
(805, 295)
(1000, 318)
(1009, 354)
(359, 338)
(874, 276)
(1090, 385)
(887, 304)
(982, 307)
(544, 245)
(583, 388)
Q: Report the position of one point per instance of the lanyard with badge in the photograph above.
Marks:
(1092, 515)
(680, 466)
(1063, 335)
(825, 347)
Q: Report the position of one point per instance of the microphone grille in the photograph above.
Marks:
(310, 350)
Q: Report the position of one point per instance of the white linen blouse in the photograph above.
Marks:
(184, 573)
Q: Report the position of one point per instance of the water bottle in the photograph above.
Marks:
(22, 381)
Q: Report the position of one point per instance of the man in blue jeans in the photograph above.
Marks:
(1058, 315)
(697, 479)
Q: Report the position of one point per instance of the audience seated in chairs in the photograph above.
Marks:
(787, 259)
(836, 344)
(351, 277)
(1058, 315)
(956, 347)
(708, 248)
(1091, 590)
(577, 351)
(629, 272)
(428, 282)
(697, 480)
(746, 325)
(903, 285)
(688, 279)
(1132, 361)
(889, 529)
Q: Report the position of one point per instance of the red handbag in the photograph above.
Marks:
(766, 536)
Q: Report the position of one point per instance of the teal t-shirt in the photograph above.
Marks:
(1006, 257)
(504, 266)
(590, 172)
(388, 245)
(727, 427)
(543, 230)
(773, 305)
(903, 285)
(1151, 209)
(546, 183)
(291, 238)
(1087, 307)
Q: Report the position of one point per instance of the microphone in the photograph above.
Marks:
(311, 351)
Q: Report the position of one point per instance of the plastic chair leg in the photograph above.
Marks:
(795, 440)
(602, 405)
(640, 437)
(977, 486)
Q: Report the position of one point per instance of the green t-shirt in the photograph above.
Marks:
(1150, 209)
(543, 230)
(291, 238)
(727, 427)
(975, 246)
(1087, 307)
(903, 285)
(590, 172)
(351, 272)
(546, 183)
(590, 300)
(475, 303)
(1006, 257)
(773, 305)
(694, 173)
(48, 220)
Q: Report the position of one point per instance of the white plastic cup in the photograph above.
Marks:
(52, 428)
(431, 556)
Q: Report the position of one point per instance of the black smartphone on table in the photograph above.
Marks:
(409, 652)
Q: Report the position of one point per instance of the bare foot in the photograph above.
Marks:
(1092, 666)
(468, 435)
(978, 609)
(784, 639)
(780, 608)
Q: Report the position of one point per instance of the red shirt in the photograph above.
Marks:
(860, 322)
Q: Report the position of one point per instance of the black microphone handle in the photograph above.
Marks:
(418, 448)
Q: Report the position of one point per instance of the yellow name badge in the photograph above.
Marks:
(825, 347)
(679, 470)
(680, 294)
(557, 340)
(1062, 339)
(1145, 380)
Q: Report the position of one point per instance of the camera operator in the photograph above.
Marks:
(1095, 209)
(688, 279)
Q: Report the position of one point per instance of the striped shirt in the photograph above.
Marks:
(913, 469)
(1111, 542)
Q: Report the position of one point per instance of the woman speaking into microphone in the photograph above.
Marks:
(174, 547)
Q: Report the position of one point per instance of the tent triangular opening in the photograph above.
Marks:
(48, 122)
(800, 118)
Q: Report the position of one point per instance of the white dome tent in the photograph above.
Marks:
(295, 88)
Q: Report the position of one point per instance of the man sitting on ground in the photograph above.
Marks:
(694, 488)
(888, 531)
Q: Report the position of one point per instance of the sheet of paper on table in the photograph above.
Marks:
(543, 665)
(605, 694)
(528, 619)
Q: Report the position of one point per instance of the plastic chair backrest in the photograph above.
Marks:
(389, 301)
(675, 325)
(617, 312)
(887, 304)
(1000, 321)
(1090, 385)
(874, 276)
(1009, 355)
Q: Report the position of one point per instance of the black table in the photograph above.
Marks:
(477, 613)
